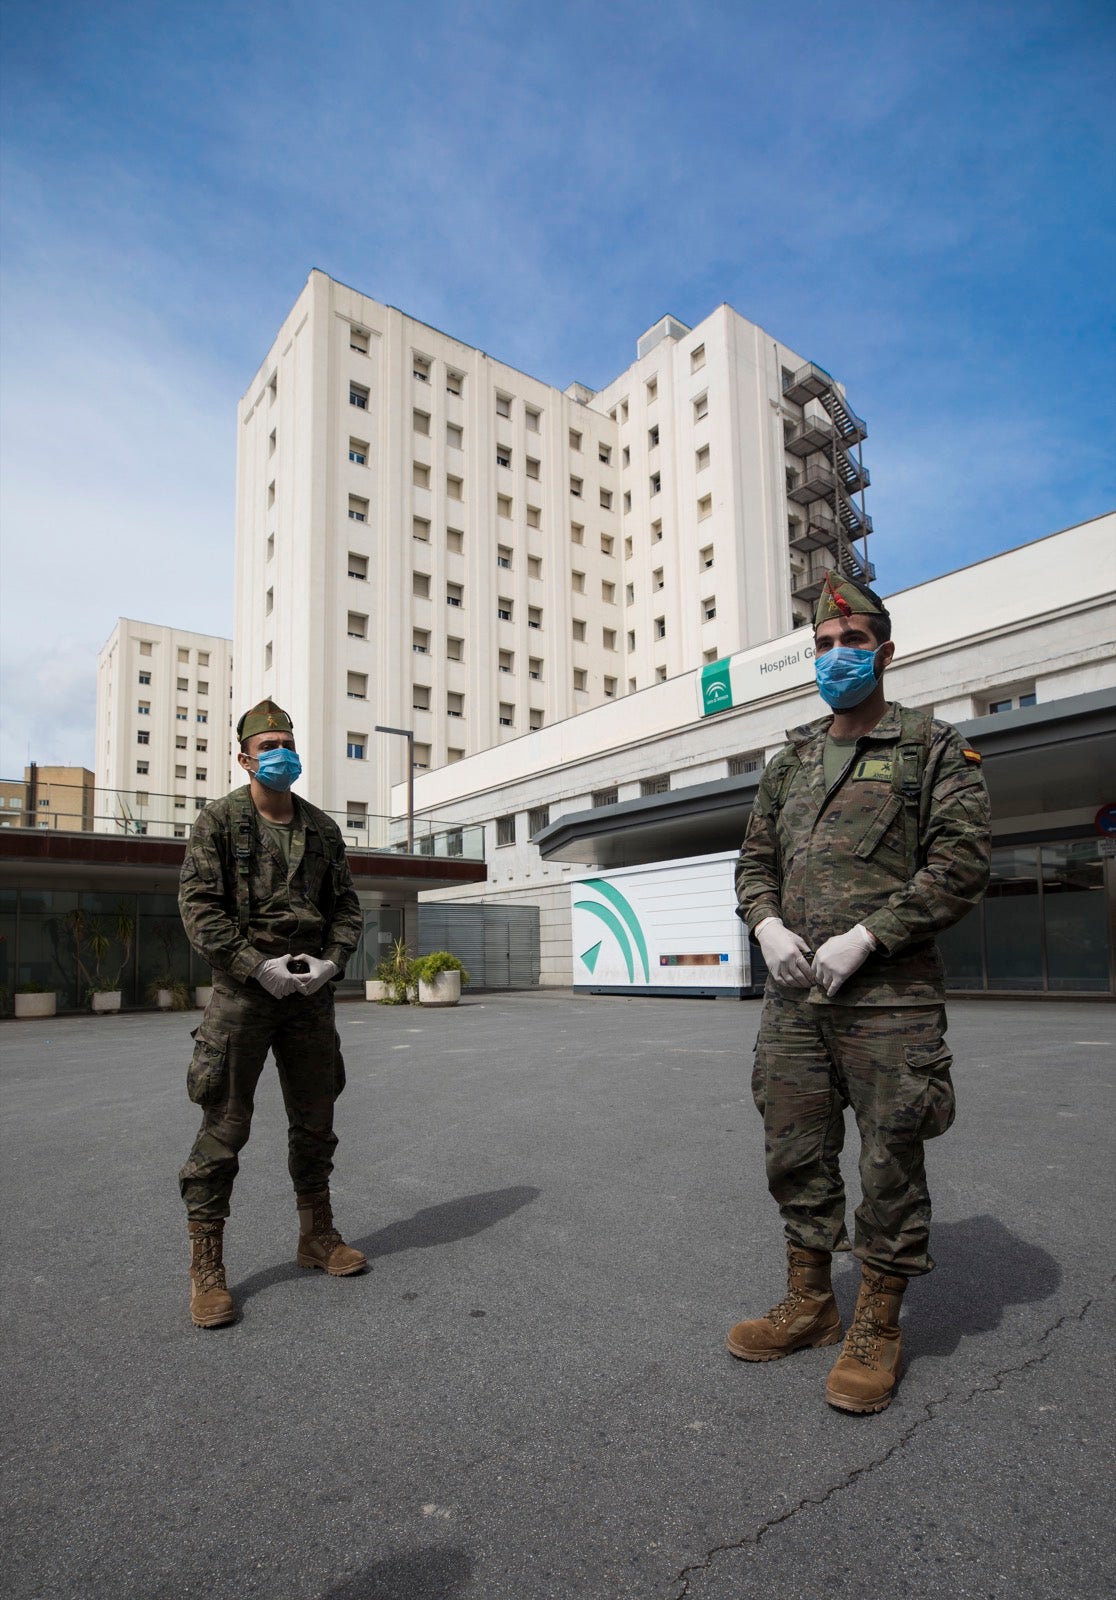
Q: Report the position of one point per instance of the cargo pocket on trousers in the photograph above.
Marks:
(208, 1074)
(338, 1066)
(929, 1067)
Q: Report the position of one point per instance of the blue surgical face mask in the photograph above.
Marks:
(845, 676)
(278, 769)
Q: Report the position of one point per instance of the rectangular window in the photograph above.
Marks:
(201, 744)
(531, 419)
(358, 452)
(455, 540)
(656, 483)
(455, 704)
(534, 719)
(202, 716)
(701, 458)
(420, 475)
(575, 488)
(272, 441)
(506, 662)
(199, 774)
(701, 407)
(356, 814)
(141, 798)
(455, 594)
(534, 468)
(504, 609)
(503, 405)
(455, 649)
(627, 501)
(179, 832)
(657, 785)
(144, 708)
(708, 609)
(538, 818)
(421, 757)
(743, 766)
(182, 684)
(580, 680)
(705, 557)
(656, 531)
(145, 677)
(578, 629)
(358, 341)
(453, 755)
(420, 423)
(605, 797)
(575, 439)
(356, 625)
(660, 674)
(420, 368)
(142, 767)
(606, 499)
(660, 627)
(503, 506)
(577, 533)
(657, 578)
(420, 585)
(653, 437)
(505, 830)
(631, 638)
(420, 642)
(356, 685)
(608, 638)
(184, 656)
(270, 546)
(271, 494)
(145, 647)
(577, 582)
(355, 746)
(455, 436)
(143, 737)
(268, 652)
(420, 697)
(507, 715)
(607, 543)
(604, 455)
(534, 517)
(534, 566)
(697, 358)
(180, 714)
(608, 593)
(358, 566)
(610, 688)
(705, 507)
(358, 509)
(358, 396)
(180, 742)
(420, 529)
(503, 455)
(503, 556)
(535, 668)
(455, 487)
(455, 381)
(652, 389)
(534, 616)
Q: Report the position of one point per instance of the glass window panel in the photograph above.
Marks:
(45, 951)
(1073, 905)
(1013, 933)
(960, 950)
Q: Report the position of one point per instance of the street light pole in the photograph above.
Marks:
(408, 734)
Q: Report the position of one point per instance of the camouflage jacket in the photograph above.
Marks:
(906, 865)
(309, 908)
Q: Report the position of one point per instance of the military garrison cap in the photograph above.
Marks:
(840, 597)
(267, 717)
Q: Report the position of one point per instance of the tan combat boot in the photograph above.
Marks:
(319, 1243)
(806, 1317)
(867, 1369)
(211, 1304)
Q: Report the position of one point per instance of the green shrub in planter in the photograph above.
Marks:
(427, 968)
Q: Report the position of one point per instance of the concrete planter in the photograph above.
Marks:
(105, 1000)
(374, 989)
(443, 990)
(164, 999)
(35, 1005)
(203, 994)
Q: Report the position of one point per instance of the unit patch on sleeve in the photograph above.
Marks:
(874, 767)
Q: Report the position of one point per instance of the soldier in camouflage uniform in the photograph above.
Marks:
(267, 900)
(869, 835)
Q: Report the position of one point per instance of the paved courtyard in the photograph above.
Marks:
(529, 1398)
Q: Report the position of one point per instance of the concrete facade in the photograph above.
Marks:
(430, 539)
(1038, 621)
(164, 727)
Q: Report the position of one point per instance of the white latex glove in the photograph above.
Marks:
(320, 973)
(786, 953)
(275, 978)
(838, 958)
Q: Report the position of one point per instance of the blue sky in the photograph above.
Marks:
(918, 197)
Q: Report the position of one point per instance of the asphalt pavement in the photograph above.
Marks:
(528, 1398)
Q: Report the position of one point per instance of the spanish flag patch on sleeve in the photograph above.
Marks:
(972, 755)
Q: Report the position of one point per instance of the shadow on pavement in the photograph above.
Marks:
(446, 1223)
(417, 1575)
(982, 1268)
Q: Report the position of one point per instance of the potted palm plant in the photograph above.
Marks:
(395, 977)
(92, 942)
(165, 990)
(440, 976)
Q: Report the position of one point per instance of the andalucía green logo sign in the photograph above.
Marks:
(620, 926)
(716, 690)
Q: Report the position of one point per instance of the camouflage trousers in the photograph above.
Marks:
(892, 1065)
(241, 1023)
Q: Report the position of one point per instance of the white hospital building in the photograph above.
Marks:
(429, 539)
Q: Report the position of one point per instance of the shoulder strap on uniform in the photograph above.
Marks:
(906, 777)
(786, 764)
(242, 846)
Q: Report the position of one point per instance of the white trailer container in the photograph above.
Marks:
(662, 929)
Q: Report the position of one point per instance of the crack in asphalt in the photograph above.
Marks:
(931, 1409)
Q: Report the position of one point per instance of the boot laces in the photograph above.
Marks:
(787, 1306)
(863, 1339)
(324, 1231)
(209, 1269)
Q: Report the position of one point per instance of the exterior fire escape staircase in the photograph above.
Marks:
(832, 473)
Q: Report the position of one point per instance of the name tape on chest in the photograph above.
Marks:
(877, 769)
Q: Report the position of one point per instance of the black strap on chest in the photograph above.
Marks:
(242, 847)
